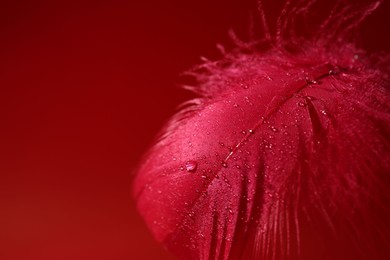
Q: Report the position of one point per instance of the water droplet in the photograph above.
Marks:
(250, 131)
(238, 166)
(334, 71)
(244, 86)
(243, 132)
(235, 105)
(301, 104)
(228, 238)
(274, 129)
(268, 77)
(191, 166)
(324, 112)
(224, 164)
(221, 144)
(310, 81)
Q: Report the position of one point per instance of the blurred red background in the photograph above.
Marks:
(85, 86)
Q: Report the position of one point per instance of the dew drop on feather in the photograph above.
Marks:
(191, 166)
(274, 129)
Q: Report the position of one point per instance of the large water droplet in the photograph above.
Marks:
(191, 166)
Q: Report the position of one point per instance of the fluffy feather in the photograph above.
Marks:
(284, 155)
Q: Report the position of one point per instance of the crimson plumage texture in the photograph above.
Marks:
(284, 155)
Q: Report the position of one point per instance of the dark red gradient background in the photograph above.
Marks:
(85, 86)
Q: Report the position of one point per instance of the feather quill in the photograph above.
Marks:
(284, 155)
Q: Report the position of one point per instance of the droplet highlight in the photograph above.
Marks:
(191, 166)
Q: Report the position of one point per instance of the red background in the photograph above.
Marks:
(84, 88)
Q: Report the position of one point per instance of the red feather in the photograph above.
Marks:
(285, 154)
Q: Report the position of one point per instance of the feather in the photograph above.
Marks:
(284, 155)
